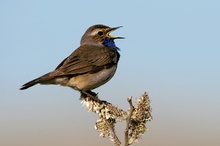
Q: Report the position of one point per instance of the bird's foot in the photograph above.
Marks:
(90, 94)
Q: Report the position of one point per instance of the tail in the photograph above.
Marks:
(35, 81)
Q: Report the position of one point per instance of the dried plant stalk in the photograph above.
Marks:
(109, 115)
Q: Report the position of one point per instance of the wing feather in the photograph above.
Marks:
(87, 59)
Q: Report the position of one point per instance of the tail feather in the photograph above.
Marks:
(35, 81)
(30, 84)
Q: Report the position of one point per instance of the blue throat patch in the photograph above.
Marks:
(108, 42)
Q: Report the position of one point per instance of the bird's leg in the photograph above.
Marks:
(90, 94)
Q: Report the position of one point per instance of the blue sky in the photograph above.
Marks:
(171, 51)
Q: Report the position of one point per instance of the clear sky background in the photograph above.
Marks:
(171, 51)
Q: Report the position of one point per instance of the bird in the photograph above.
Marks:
(91, 65)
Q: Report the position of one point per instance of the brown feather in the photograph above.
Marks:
(86, 59)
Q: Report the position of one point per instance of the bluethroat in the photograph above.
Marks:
(91, 65)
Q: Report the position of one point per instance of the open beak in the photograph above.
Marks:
(112, 29)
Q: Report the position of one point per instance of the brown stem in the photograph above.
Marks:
(128, 120)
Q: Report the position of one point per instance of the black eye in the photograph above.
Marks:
(100, 33)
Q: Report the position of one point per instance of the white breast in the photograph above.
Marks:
(92, 81)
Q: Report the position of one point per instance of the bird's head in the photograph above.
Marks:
(100, 35)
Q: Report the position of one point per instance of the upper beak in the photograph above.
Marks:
(112, 29)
